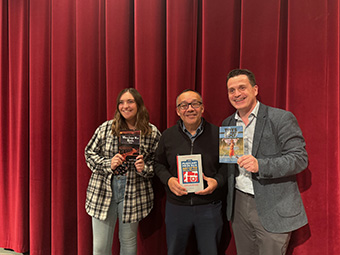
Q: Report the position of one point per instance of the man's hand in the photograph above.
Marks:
(249, 162)
(212, 185)
(176, 188)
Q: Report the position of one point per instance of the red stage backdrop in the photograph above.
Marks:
(63, 62)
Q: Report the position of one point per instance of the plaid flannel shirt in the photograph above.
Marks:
(138, 197)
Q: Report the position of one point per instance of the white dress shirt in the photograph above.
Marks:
(243, 180)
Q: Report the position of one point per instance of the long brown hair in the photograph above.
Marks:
(142, 117)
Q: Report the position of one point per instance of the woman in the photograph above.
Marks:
(118, 187)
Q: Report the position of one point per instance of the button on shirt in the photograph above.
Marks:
(244, 179)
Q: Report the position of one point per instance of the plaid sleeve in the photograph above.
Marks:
(98, 152)
(148, 148)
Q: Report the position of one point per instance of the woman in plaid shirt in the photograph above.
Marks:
(120, 188)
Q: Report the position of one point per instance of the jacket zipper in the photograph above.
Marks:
(192, 147)
(191, 152)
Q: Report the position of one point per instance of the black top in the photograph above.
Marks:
(175, 142)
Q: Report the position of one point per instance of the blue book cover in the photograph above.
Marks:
(230, 143)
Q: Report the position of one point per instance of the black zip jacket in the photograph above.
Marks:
(175, 142)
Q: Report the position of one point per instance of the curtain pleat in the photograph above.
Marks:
(64, 128)
(90, 107)
(14, 126)
(4, 120)
(181, 47)
(260, 43)
(62, 64)
(119, 50)
(40, 127)
(150, 81)
(150, 56)
(307, 61)
(220, 52)
(332, 159)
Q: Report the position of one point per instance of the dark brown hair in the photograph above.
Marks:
(237, 72)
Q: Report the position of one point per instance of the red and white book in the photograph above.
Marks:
(189, 172)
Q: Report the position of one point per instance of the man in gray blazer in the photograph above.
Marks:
(263, 202)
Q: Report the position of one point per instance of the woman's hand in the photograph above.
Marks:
(139, 164)
(116, 161)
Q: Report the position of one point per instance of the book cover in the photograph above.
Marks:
(129, 142)
(231, 144)
(189, 172)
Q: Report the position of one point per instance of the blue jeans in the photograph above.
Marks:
(103, 231)
(205, 219)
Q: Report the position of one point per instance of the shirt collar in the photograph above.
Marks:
(254, 112)
(198, 130)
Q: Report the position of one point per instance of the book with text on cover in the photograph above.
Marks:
(129, 142)
(231, 144)
(189, 172)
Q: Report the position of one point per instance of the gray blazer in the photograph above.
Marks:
(279, 147)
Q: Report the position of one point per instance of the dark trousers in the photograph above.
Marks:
(250, 236)
(206, 220)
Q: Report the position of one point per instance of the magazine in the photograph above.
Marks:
(231, 144)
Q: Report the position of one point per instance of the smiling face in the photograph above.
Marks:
(192, 116)
(242, 95)
(128, 108)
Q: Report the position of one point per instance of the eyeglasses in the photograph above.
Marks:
(185, 105)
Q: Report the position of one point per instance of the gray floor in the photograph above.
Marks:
(6, 252)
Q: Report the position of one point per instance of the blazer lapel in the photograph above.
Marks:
(259, 127)
(232, 121)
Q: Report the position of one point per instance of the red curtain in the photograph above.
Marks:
(63, 62)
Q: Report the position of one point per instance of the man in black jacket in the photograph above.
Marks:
(200, 210)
